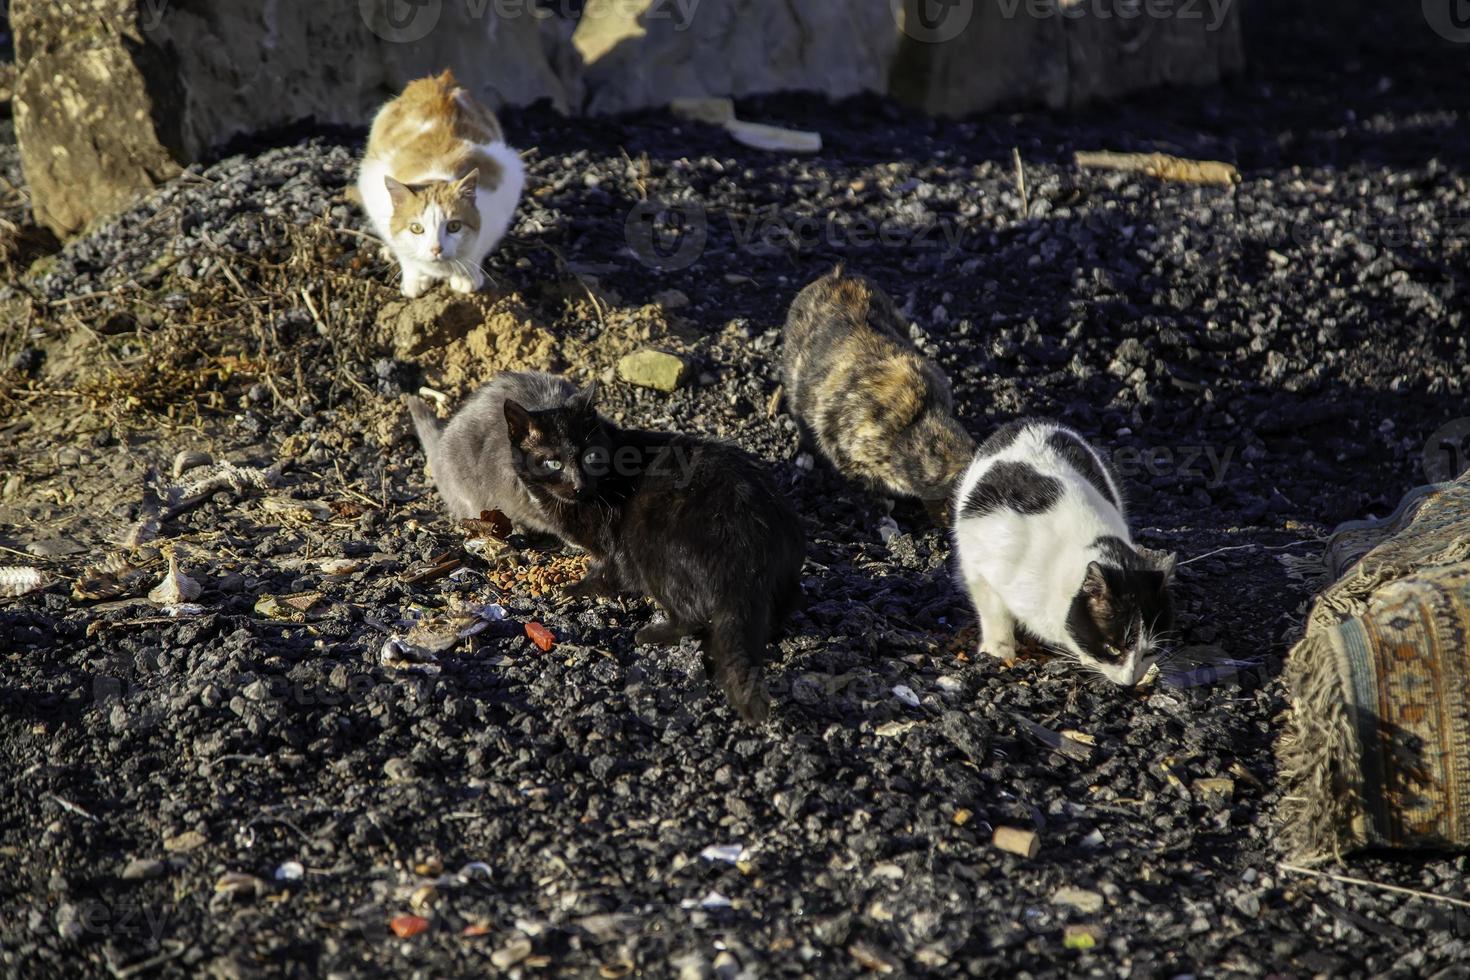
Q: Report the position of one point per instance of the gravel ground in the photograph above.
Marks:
(1262, 364)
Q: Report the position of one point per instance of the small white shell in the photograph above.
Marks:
(18, 580)
(176, 587)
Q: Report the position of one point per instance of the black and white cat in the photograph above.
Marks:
(1043, 544)
(696, 524)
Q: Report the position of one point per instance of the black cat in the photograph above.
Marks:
(696, 524)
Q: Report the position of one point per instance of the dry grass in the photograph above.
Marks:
(198, 357)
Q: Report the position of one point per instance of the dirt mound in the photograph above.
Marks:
(459, 340)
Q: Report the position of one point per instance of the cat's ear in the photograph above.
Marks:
(1161, 561)
(467, 184)
(1095, 583)
(583, 400)
(400, 192)
(517, 422)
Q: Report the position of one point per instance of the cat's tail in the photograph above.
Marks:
(736, 644)
(425, 423)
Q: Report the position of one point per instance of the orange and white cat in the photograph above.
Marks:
(439, 184)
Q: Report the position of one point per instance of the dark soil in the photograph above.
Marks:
(1262, 364)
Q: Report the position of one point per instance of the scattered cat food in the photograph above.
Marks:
(541, 636)
(1014, 840)
(962, 816)
(18, 580)
(176, 587)
(475, 930)
(539, 579)
(408, 926)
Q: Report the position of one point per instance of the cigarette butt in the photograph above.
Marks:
(1017, 841)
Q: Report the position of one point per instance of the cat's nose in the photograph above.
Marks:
(436, 249)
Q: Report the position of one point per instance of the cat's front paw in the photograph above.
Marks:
(467, 284)
(1005, 652)
(415, 286)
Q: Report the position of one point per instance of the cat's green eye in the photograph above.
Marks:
(454, 227)
(416, 228)
(552, 464)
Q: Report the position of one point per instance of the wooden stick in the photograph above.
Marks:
(1397, 889)
(1162, 166)
(1021, 182)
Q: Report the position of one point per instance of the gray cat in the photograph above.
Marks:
(470, 455)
